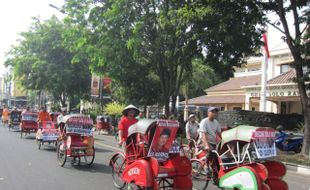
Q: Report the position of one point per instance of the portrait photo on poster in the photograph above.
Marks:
(162, 141)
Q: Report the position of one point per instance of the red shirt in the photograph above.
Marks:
(124, 125)
(44, 116)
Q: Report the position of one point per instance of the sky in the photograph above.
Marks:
(15, 17)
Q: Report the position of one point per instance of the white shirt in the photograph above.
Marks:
(211, 128)
(59, 118)
(192, 129)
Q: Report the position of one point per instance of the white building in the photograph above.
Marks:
(243, 90)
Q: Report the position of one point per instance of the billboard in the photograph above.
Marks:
(106, 89)
(95, 86)
(103, 84)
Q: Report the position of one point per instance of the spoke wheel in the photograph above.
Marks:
(118, 166)
(133, 186)
(298, 149)
(199, 176)
(186, 150)
(165, 184)
(61, 154)
(76, 161)
(39, 143)
(90, 159)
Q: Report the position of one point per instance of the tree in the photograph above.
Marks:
(114, 109)
(133, 82)
(202, 77)
(41, 62)
(163, 37)
(297, 40)
(226, 31)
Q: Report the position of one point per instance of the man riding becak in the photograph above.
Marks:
(209, 129)
(191, 128)
(129, 118)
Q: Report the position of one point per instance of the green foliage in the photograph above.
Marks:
(114, 109)
(133, 82)
(95, 111)
(203, 77)
(227, 31)
(41, 61)
(147, 47)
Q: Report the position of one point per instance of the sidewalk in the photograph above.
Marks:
(301, 169)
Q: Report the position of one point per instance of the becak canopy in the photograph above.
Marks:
(246, 133)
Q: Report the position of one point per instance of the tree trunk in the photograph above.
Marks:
(173, 110)
(306, 143)
(299, 62)
(166, 101)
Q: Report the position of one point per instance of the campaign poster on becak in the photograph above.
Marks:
(264, 139)
(163, 139)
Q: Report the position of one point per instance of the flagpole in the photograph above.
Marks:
(262, 103)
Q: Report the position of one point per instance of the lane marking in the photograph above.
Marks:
(108, 146)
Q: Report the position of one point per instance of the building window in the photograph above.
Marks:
(237, 108)
(284, 68)
(254, 69)
(222, 108)
(305, 70)
(283, 108)
(253, 108)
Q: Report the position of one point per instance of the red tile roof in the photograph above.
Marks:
(203, 100)
(283, 78)
(236, 83)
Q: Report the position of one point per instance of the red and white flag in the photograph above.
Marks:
(266, 44)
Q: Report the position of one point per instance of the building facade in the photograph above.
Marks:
(12, 94)
(243, 91)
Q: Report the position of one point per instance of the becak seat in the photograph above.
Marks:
(78, 141)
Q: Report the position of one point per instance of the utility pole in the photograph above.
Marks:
(262, 104)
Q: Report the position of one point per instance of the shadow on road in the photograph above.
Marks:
(48, 148)
(94, 168)
(102, 150)
(28, 137)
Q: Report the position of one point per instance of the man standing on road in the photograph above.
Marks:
(209, 128)
(128, 119)
(5, 116)
(44, 115)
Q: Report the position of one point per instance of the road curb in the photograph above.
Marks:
(301, 169)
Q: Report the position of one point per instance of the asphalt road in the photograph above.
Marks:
(24, 167)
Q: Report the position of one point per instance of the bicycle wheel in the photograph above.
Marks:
(118, 166)
(199, 176)
(133, 186)
(90, 159)
(61, 154)
(186, 150)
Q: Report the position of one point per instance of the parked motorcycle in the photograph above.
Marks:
(286, 141)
